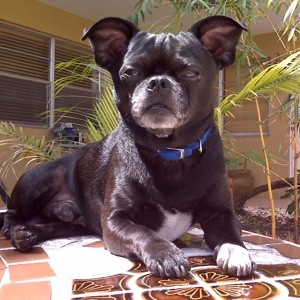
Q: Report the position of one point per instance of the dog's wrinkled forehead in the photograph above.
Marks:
(159, 50)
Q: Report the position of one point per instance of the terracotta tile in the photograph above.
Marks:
(14, 256)
(30, 271)
(260, 240)
(1, 275)
(114, 283)
(29, 290)
(98, 244)
(288, 250)
(2, 235)
(6, 244)
(2, 264)
(241, 290)
(279, 270)
(293, 286)
(186, 293)
(245, 232)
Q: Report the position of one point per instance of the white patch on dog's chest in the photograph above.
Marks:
(174, 225)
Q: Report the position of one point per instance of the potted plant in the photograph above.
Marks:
(240, 178)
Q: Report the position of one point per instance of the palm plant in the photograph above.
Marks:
(25, 147)
(283, 76)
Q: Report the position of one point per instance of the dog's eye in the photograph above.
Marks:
(130, 72)
(190, 73)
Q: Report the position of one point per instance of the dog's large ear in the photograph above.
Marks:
(109, 39)
(219, 35)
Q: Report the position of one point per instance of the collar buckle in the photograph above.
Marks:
(200, 146)
(180, 150)
(181, 153)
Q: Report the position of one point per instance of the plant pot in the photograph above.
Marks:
(241, 182)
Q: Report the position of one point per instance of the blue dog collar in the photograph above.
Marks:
(180, 153)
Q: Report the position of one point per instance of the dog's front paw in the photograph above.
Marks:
(23, 238)
(164, 259)
(10, 221)
(234, 260)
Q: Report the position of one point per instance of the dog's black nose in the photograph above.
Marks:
(158, 83)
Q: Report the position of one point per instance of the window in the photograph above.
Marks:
(245, 120)
(27, 73)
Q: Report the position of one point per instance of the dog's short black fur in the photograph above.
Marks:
(122, 188)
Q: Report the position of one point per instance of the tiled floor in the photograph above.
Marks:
(80, 268)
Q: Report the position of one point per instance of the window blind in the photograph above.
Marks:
(24, 54)
(25, 62)
(245, 120)
(20, 101)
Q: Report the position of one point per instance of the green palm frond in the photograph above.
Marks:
(25, 147)
(74, 72)
(105, 117)
(78, 70)
(281, 77)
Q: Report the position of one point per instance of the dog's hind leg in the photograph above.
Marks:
(24, 237)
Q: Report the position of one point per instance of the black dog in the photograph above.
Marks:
(160, 171)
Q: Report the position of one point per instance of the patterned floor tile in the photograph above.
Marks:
(214, 275)
(200, 261)
(195, 261)
(114, 283)
(279, 270)
(188, 293)
(149, 281)
(138, 267)
(126, 296)
(293, 286)
(255, 291)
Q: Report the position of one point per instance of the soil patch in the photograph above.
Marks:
(258, 220)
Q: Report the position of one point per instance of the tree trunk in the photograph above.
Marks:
(279, 184)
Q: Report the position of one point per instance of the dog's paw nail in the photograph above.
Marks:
(161, 271)
(184, 270)
(178, 271)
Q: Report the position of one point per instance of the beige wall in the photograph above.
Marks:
(277, 142)
(35, 15)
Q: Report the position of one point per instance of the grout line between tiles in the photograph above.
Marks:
(206, 286)
(28, 262)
